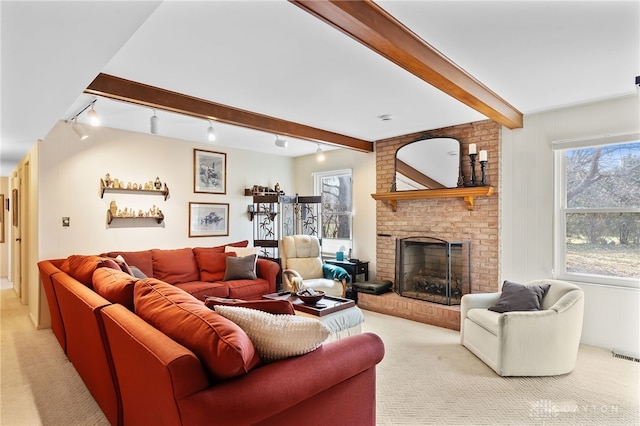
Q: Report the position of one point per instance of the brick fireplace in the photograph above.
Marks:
(445, 218)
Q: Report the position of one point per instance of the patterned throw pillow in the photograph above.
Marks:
(277, 336)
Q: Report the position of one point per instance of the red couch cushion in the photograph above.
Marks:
(222, 346)
(211, 263)
(81, 267)
(175, 266)
(140, 259)
(247, 289)
(200, 289)
(115, 286)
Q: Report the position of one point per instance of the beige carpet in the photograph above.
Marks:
(425, 378)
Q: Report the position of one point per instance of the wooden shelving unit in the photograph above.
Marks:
(466, 193)
(104, 188)
(110, 218)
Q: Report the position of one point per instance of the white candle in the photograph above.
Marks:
(472, 148)
(483, 155)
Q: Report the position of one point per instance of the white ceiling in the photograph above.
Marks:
(273, 58)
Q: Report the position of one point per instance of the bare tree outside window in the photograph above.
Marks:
(335, 188)
(602, 210)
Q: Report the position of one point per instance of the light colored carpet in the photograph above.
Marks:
(425, 378)
(38, 385)
(428, 378)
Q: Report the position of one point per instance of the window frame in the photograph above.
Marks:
(317, 188)
(561, 210)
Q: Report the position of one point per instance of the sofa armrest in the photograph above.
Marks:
(276, 387)
(477, 300)
(269, 270)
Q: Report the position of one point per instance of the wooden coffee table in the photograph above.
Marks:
(327, 305)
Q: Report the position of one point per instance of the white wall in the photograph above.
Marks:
(69, 178)
(612, 316)
(363, 166)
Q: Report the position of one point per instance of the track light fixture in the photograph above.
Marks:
(154, 123)
(94, 119)
(211, 133)
(319, 154)
(78, 130)
(281, 142)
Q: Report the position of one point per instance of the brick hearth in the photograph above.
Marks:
(445, 218)
(412, 309)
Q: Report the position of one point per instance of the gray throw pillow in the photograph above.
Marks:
(519, 297)
(136, 272)
(240, 268)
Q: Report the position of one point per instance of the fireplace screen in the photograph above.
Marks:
(432, 269)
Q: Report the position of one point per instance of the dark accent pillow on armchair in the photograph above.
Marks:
(519, 297)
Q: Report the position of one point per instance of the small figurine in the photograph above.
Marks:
(116, 184)
(158, 184)
(128, 185)
(107, 181)
(113, 208)
(277, 187)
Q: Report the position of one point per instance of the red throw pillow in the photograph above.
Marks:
(212, 264)
(81, 267)
(243, 243)
(220, 249)
(115, 286)
(222, 346)
(271, 306)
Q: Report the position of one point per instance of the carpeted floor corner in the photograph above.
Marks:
(428, 378)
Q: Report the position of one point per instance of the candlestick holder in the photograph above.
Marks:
(483, 165)
(472, 160)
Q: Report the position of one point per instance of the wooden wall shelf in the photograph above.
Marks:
(110, 218)
(467, 193)
(164, 192)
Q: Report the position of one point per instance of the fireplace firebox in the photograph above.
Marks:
(432, 269)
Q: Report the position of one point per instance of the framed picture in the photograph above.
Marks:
(1, 218)
(208, 219)
(14, 203)
(209, 172)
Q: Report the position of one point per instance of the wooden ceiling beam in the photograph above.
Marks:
(368, 23)
(112, 87)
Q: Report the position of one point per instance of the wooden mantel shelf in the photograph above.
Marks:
(467, 193)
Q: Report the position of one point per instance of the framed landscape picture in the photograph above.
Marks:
(209, 172)
(208, 219)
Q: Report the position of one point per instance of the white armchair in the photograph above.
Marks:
(525, 343)
(302, 263)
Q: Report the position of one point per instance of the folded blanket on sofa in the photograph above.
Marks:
(334, 272)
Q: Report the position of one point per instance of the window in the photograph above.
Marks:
(598, 211)
(335, 187)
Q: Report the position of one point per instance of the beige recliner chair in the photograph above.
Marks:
(302, 263)
(525, 343)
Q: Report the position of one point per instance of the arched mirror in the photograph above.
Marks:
(432, 163)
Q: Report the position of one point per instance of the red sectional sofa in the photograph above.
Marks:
(200, 271)
(151, 353)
